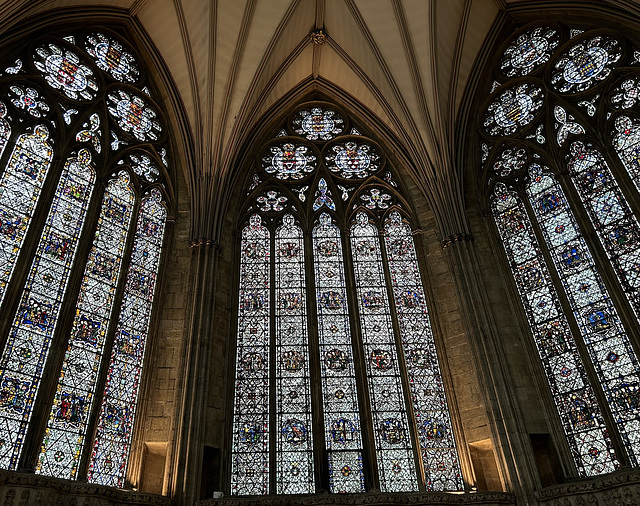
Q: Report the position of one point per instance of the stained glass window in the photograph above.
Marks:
(586, 352)
(334, 364)
(71, 237)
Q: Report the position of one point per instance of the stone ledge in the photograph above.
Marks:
(620, 487)
(418, 499)
(32, 489)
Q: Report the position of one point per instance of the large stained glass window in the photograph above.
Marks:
(333, 335)
(83, 208)
(562, 194)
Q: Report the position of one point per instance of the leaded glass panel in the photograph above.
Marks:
(393, 442)
(343, 434)
(294, 443)
(606, 340)
(111, 57)
(316, 123)
(63, 70)
(37, 316)
(513, 109)
(570, 387)
(117, 413)
(435, 432)
(250, 458)
(20, 188)
(65, 433)
(530, 50)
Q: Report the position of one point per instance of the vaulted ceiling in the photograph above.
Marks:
(406, 61)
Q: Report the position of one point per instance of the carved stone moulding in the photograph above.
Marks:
(422, 499)
(622, 487)
(34, 490)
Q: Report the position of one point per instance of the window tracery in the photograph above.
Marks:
(368, 298)
(538, 194)
(80, 248)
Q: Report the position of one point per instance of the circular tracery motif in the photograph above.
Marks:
(317, 123)
(529, 51)
(294, 432)
(289, 161)
(134, 115)
(585, 64)
(63, 70)
(352, 160)
(513, 109)
(111, 57)
(511, 160)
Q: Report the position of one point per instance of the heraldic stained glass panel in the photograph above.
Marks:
(294, 444)
(616, 226)
(571, 390)
(391, 427)
(115, 423)
(20, 188)
(343, 433)
(612, 355)
(250, 457)
(435, 434)
(37, 316)
(65, 433)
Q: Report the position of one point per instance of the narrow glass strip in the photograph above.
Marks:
(294, 444)
(110, 455)
(394, 453)
(37, 316)
(343, 437)
(65, 433)
(571, 390)
(20, 187)
(5, 128)
(250, 457)
(437, 444)
(613, 357)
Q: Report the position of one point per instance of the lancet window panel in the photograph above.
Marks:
(577, 108)
(337, 363)
(67, 214)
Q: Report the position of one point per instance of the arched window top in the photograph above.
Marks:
(560, 173)
(85, 190)
(334, 290)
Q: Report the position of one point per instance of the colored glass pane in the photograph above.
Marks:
(617, 228)
(5, 128)
(606, 340)
(376, 199)
(626, 142)
(115, 423)
(394, 453)
(66, 429)
(323, 196)
(289, 161)
(250, 444)
(29, 100)
(352, 160)
(530, 50)
(570, 387)
(294, 445)
(63, 70)
(317, 123)
(433, 423)
(20, 188)
(510, 161)
(38, 313)
(343, 439)
(585, 64)
(271, 201)
(91, 132)
(626, 95)
(513, 109)
(134, 115)
(111, 57)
